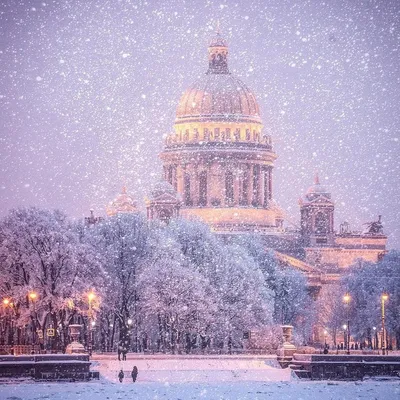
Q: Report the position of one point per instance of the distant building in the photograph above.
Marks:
(218, 167)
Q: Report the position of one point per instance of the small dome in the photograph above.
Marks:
(316, 190)
(163, 187)
(218, 97)
(123, 203)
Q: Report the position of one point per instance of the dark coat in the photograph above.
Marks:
(134, 373)
(121, 375)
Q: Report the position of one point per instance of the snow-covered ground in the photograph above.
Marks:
(227, 378)
(234, 390)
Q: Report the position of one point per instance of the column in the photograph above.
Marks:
(262, 186)
(179, 179)
(250, 172)
(266, 187)
(270, 182)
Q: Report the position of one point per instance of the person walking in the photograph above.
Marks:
(121, 376)
(124, 351)
(134, 373)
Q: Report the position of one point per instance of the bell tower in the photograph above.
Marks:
(317, 212)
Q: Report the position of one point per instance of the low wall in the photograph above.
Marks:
(46, 366)
(344, 367)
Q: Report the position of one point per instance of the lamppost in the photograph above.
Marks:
(345, 335)
(128, 339)
(8, 304)
(375, 338)
(384, 297)
(32, 297)
(346, 299)
(91, 297)
(325, 335)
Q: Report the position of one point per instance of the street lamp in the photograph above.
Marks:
(9, 316)
(346, 299)
(91, 296)
(384, 297)
(325, 335)
(32, 297)
(375, 338)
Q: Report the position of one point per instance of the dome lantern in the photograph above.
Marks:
(218, 54)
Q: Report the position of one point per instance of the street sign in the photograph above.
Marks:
(50, 332)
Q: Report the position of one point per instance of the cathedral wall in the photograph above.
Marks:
(339, 257)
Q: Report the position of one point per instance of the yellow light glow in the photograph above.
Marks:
(91, 296)
(346, 298)
(32, 296)
(385, 297)
(6, 302)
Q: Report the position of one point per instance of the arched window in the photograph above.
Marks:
(164, 215)
(321, 223)
(229, 194)
(186, 184)
(203, 188)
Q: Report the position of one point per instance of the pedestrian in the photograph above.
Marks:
(119, 353)
(134, 373)
(124, 351)
(121, 376)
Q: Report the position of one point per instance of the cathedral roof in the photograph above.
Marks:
(218, 95)
(163, 188)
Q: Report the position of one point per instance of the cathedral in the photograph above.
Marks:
(218, 168)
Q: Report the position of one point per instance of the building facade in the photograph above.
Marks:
(218, 168)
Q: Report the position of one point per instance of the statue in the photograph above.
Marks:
(375, 227)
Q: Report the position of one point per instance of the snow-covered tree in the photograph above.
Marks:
(122, 243)
(45, 269)
(174, 296)
(366, 282)
(292, 303)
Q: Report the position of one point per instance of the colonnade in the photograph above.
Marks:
(216, 185)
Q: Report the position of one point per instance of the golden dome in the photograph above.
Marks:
(218, 95)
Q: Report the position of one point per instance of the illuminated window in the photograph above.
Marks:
(228, 134)
(248, 134)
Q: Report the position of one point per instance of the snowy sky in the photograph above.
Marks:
(89, 88)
